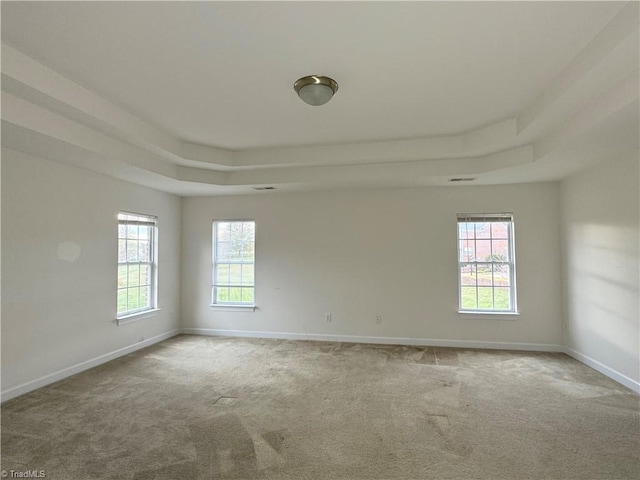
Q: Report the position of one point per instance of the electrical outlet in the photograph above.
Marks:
(378, 319)
(327, 317)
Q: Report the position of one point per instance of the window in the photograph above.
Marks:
(486, 263)
(233, 262)
(136, 263)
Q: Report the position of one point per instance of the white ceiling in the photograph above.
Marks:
(200, 94)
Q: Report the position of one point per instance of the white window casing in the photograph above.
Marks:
(486, 263)
(137, 264)
(233, 272)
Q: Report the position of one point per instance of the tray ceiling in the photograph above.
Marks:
(197, 97)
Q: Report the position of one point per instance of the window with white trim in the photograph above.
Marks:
(486, 263)
(233, 262)
(137, 263)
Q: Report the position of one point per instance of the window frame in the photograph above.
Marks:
(215, 284)
(152, 263)
(474, 218)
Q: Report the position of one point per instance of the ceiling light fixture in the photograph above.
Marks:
(315, 89)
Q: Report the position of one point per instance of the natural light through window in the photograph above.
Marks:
(136, 263)
(233, 262)
(486, 263)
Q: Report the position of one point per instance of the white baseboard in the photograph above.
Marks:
(429, 342)
(82, 366)
(602, 368)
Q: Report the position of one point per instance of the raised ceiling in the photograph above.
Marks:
(197, 97)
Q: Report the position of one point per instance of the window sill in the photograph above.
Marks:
(136, 316)
(485, 314)
(232, 308)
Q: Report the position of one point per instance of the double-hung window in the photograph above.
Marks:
(486, 263)
(233, 262)
(137, 267)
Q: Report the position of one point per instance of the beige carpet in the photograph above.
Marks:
(216, 408)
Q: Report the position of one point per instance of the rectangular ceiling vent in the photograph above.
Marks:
(264, 188)
(462, 179)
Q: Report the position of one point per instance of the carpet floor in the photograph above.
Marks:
(201, 408)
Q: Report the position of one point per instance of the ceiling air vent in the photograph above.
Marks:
(462, 179)
(264, 188)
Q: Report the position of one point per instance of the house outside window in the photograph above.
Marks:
(233, 262)
(486, 263)
(137, 264)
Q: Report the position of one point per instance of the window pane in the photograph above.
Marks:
(223, 231)
(467, 251)
(468, 275)
(132, 250)
(235, 294)
(235, 273)
(483, 230)
(466, 230)
(485, 297)
(500, 250)
(144, 251)
(122, 231)
(145, 297)
(122, 300)
(122, 250)
(134, 275)
(222, 294)
(132, 231)
(236, 230)
(484, 275)
(501, 275)
(235, 251)
(468, 297)
(122, 276)
(502, 301)
(247, 252)
(133, 298)
(247, 295)
(249, 229)
(145, 275)
(222, 277)
(483, 250)
(145, 232)
(500, 230)
(247, 275)
(222, 252)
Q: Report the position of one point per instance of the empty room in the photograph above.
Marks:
(320, 240)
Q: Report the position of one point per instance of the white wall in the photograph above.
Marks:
(388, 252)
(358, 254)
(600, 210)
(58, 312)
